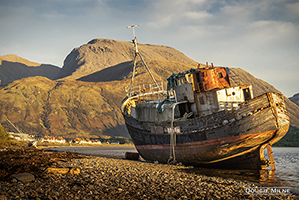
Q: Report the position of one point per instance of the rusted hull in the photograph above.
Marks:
(237, 144)
(207, 153)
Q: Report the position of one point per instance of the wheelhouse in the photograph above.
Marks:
(207, 90)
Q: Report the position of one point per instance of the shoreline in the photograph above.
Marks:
(278, 178)
(117, 178)
(103, 178)
(102, 145)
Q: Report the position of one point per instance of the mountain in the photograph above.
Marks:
(99, 54)
(295, 99)
(87, 104)
(13, 67)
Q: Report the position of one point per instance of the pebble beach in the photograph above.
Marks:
(110, 178)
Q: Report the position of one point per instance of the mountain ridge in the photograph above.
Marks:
(13, 67)
(295, 99)
(18, 59)
(99, 54)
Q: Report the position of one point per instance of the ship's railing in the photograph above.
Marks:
(225, 105)
(147, 92)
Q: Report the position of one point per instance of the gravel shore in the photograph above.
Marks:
(109, 178)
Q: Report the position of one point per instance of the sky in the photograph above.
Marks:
(259, 36)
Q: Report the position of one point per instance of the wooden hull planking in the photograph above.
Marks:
(226, 139)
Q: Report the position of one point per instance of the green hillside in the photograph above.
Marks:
(291, 139)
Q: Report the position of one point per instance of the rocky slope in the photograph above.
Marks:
(41, 106)
(89, 106)
(13, 67)
(295, 99)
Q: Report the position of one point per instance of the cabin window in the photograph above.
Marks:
(201, 101)
(189, 78)
(198, 78)
(247, 95)
(220, 75)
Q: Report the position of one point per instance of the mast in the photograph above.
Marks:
(135, 61)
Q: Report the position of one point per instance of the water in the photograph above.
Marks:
(286, 162)
(285, 175)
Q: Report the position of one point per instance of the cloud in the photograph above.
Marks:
(201, 15)
(257, 36)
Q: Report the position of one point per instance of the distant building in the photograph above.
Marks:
(114, 142)
(60, 140)
(86, 141)
(53, 139)
(96, 142)
(82, 141)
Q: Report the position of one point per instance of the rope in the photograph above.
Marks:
(172, 143)
(173, 139)
(172, 159)
(187, 115)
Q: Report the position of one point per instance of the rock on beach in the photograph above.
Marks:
(109, 178)
(24, 177)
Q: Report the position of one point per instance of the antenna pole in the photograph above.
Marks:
(135, 39)
(135, 60)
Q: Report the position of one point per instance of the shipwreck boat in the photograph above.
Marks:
(203, 120)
